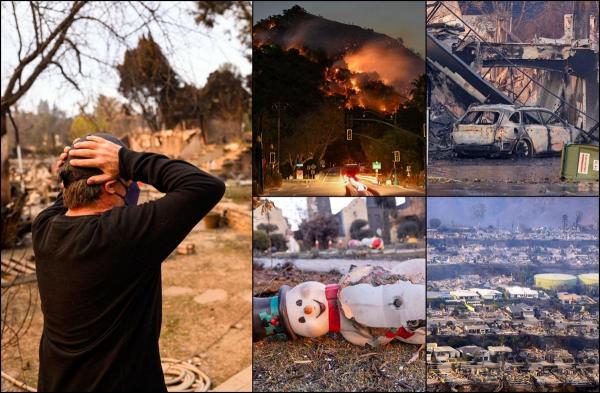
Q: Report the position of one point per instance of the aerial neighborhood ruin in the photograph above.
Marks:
(512, 303)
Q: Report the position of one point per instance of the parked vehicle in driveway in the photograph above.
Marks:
(505, 130)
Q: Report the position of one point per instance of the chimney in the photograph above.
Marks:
(593, 33)
(568, 26)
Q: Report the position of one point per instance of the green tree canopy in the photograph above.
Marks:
(358, 230)
(267, 227)
(260, 240)
(82, 125)
(322, 227)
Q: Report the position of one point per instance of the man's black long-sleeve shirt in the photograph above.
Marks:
(99, 278)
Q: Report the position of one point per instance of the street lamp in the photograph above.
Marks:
(396, 159)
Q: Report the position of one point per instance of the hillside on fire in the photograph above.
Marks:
(329, 96)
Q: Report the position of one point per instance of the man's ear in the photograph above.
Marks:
(110, 187)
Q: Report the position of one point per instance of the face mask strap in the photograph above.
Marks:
(133, 194)
(123, 197)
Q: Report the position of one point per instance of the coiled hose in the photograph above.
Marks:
(180, 376)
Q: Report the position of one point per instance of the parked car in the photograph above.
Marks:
(505, 130)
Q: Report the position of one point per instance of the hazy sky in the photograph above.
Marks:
(294, 209)
(193, 51)
(405, 19)
(531, 211)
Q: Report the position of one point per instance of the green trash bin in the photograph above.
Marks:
(579, 162)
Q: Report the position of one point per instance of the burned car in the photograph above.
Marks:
(505, 130)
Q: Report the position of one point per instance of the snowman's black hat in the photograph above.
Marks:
(269, 316)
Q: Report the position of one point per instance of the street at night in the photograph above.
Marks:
(328, 119)
(333, 184)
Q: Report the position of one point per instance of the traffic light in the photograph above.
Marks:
(396, 155)
(349, 134)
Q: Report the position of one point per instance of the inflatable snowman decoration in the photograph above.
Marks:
(370, 305)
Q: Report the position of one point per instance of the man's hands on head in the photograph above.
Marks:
(63, 157)
(98, 153)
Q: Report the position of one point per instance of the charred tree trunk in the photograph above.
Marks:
(5, 164)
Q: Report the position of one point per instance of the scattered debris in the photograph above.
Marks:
(17, 383)
(185, 376)
(17, 271)
(186, 248)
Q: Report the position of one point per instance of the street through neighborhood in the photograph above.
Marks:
(331, 182)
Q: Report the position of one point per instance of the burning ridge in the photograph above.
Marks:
(367, 69)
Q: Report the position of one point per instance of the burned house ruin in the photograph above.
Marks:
(478, 58)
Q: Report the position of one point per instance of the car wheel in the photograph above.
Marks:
(523, 149)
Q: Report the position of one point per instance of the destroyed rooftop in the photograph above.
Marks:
(506, 107)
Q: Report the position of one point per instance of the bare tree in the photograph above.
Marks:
(55, 36)
(47, 48)
(207, 11)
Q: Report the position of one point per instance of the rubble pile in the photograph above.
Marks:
(32, 189)
(467, 64)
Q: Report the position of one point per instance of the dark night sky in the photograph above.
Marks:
(396, 19)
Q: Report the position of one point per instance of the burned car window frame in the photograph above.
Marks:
(479, 114)
(529, 114)
(518, 115)
(551, 116)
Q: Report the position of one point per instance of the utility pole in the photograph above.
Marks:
(396, 159)
(258, 159)
(278, 106)
(278, 135)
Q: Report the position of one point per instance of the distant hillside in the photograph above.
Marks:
(298, 28)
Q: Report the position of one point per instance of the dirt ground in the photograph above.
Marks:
(501, 176)
(206, 309)
(328, 363)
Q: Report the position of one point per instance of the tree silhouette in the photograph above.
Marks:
(267, 227)
(242, 10)
(434, 223)
(322, 227)
(412, 113)
(148, 81)
(478, 210)
(224, 94)
(358, 230)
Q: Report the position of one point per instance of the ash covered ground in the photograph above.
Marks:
(206, 303)
(500, 176)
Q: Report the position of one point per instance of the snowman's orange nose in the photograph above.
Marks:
(308, 309)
